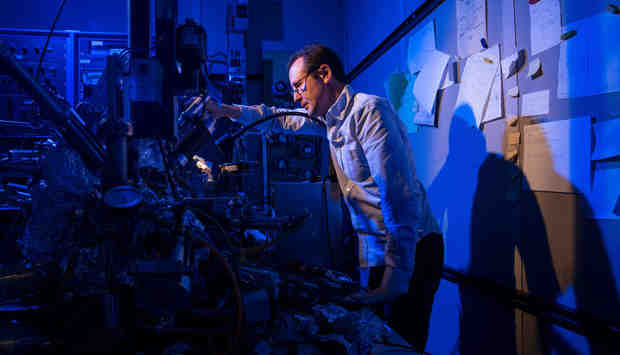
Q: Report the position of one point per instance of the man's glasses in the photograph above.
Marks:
(298, 88)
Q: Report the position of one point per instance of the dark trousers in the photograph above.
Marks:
(411, 312)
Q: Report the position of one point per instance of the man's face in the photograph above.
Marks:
(307, 89)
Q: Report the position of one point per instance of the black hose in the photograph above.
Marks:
(228, 139)
(238, 300)
(233, 278)
(203, 215)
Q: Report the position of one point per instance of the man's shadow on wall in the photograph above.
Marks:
(585, 275)
(488, 211)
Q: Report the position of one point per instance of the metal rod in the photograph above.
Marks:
(74, 129)
(401, 31)
(579, 322)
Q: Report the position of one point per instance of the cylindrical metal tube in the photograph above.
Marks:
(139, 27)
(116, 165)
(165, 28)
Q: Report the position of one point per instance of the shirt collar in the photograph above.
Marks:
(339, 108)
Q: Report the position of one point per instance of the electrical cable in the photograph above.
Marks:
(243, 252)
(234, 137)
(186, 232)
(47, 41)
(229, 238)
(239, 302)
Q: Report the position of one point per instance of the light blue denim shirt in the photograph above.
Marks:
(374, 163)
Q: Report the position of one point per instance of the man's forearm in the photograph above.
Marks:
(229, 111)
(400, 249)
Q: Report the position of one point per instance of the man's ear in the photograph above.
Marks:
(325, 72)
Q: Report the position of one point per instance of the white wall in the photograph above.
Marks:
(466, 177)
(319, 21)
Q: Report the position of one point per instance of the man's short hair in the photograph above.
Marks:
(316, 54)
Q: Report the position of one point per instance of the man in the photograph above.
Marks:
(374, 165)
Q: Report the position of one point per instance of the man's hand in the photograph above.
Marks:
(218, 111)
(395, 282)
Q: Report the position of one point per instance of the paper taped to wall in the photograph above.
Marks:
(535, 103)
(506, 62)
(605, 190)
(471, 16)
(545, 25)
(494, 107)
(606, 143)
(477, 80)
(424, 118)
(429, 79)
(556, 155)
(589, 62)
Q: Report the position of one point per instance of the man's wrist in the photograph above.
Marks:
(396, 281)
(400, 249)
(229, 111)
